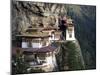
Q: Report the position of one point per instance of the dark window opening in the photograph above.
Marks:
(70, 35)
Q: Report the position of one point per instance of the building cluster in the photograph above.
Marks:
(36, 46)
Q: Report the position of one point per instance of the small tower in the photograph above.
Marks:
(70, 30)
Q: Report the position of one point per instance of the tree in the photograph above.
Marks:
(19, 65)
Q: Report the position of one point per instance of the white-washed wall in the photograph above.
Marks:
(36, 45)
(68, 35)
(24, 45)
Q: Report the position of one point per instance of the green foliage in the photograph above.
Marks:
(75, 59)
(19, 66)
(70, 57)
(39, 70)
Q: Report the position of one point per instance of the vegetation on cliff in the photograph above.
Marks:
(69, 56)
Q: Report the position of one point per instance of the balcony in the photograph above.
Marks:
(42, 65)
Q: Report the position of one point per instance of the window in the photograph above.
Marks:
(70, 35)
(29, 44)
(43, 42)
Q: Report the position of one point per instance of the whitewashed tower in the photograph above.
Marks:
(70, 35)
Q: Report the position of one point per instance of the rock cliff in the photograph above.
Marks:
(24, 14)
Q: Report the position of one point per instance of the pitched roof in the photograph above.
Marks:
(34, 50)
(50, 28)
(35, 35)
(42, 28)
(33, 29)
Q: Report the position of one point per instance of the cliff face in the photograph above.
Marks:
(34, 14)
(85, 31)
(26, 14)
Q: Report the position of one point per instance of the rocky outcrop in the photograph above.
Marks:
(34, 14)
